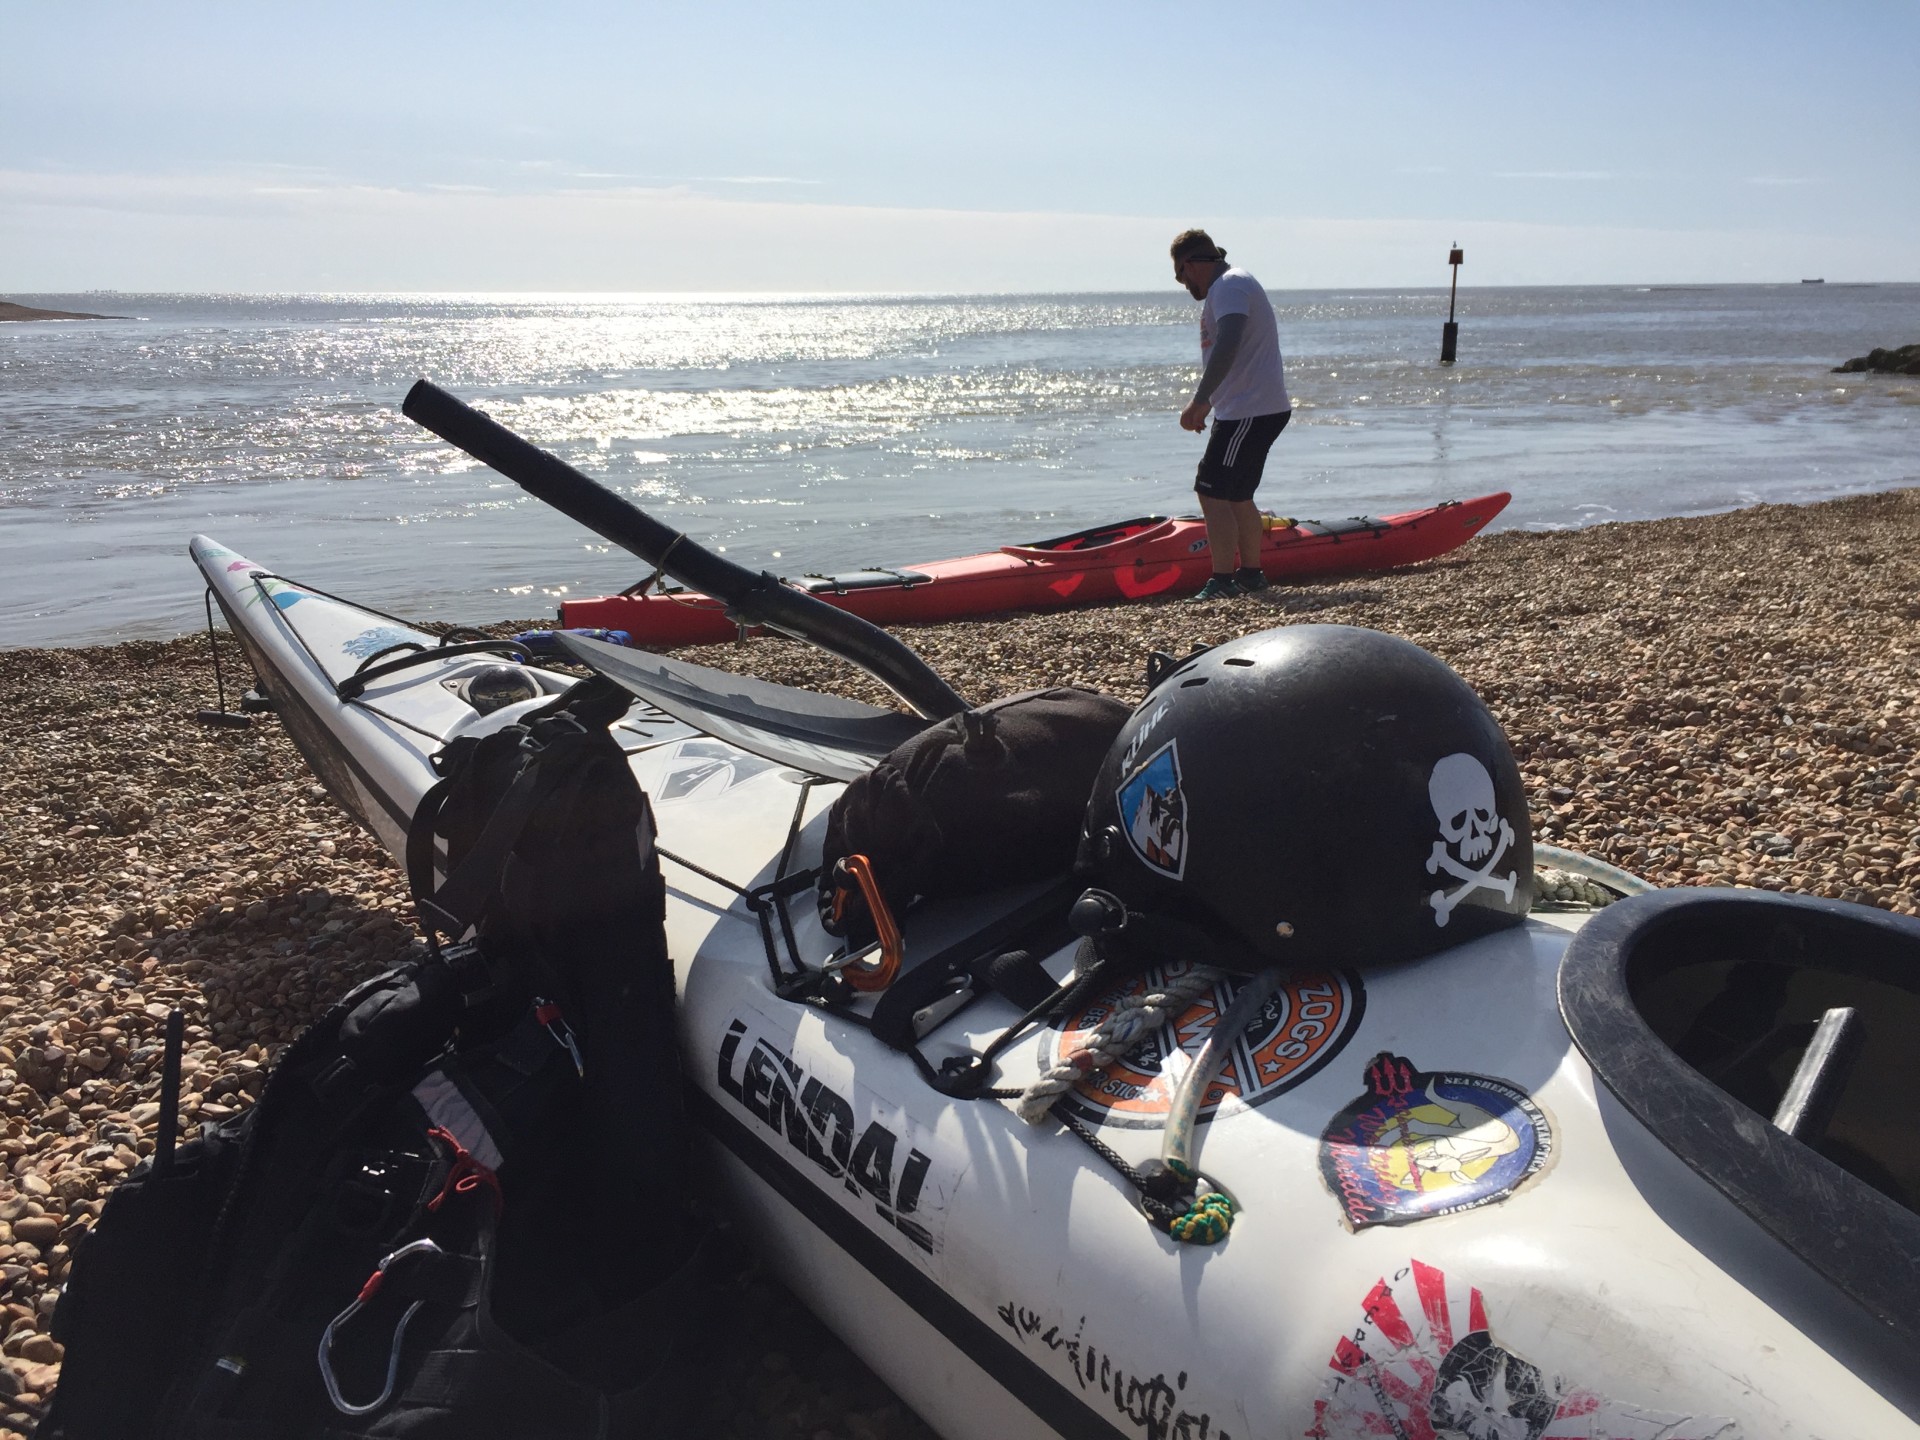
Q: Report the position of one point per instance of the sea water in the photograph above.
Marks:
(822, 434)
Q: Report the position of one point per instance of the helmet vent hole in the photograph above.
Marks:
(1197, 680)
(1239, 660)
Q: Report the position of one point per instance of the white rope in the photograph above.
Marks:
(1134, 1018)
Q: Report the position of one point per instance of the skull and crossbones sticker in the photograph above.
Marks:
(1473, 833)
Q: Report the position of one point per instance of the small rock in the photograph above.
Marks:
(39, 1230)
(39, 1378)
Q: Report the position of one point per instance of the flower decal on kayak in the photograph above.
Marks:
(372, 642)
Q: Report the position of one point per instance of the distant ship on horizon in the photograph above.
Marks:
(1813, 282)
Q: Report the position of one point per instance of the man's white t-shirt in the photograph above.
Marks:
(1257, 383)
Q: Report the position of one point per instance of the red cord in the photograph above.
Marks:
(466, 1175)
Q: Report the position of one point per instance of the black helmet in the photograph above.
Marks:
(1313, 795)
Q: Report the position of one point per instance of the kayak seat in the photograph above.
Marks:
(1352, 525)
(862, 580)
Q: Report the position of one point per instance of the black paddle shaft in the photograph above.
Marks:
(750, 599)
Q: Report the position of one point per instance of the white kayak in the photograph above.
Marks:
(1477, 1194)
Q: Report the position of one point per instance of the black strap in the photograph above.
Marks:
(499, 1376)
(438, 1277)
(355, 685)
(456, 905)
(1000, 958)
(1016, 974)
(420, 847)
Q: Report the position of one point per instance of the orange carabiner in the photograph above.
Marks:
(874, 977)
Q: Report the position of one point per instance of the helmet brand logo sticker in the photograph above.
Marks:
(1461, 791)
(1307, 1022)
(1153, 812)
(1418, 1145)
(1139, 741)
(1422, 1360)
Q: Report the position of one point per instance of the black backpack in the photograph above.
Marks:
(992, 796)
(457, 1208)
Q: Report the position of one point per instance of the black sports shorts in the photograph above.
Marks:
(1237, 454)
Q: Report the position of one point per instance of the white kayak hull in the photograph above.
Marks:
(999, 1276)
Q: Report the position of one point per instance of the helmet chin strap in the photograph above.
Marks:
(1130, 940)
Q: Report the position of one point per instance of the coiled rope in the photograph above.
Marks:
(1134, 1018)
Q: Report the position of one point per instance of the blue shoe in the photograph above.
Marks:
(1249, 581)
(1220, 587)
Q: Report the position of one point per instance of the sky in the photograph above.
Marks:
(986, 146)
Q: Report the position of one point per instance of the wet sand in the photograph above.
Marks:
(1732, 700)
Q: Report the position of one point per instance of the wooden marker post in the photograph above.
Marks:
(1450, 334)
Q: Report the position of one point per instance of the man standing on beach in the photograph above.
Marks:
(1244, 383)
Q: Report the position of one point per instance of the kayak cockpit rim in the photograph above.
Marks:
(1689, 1003)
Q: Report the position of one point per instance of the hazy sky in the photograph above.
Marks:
(971, 146)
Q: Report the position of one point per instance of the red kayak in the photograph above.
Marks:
(1131, 560)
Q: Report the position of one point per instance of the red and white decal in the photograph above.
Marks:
(1422, 1364)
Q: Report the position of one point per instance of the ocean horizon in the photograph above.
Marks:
(811, 433)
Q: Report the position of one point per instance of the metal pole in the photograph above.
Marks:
(1450, 332)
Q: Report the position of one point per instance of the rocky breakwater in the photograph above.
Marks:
(1904, 361)
(1731, 700)
(11, 311)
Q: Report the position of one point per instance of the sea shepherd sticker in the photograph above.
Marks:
(1417, 1145)
(1305, 1024)
(872, 1157)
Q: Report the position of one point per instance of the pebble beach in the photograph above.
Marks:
(1725, 700)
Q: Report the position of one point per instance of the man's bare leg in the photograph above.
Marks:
(1247, 533)
(1223, 532)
